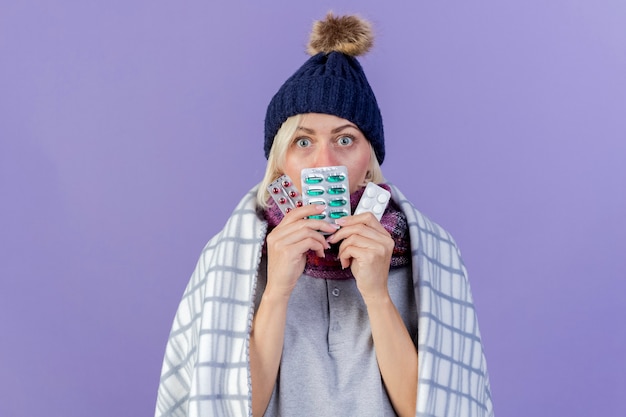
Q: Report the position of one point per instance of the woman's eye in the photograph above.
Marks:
(303, 142)
(345, 140)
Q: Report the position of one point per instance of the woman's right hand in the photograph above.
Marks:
(288, 244)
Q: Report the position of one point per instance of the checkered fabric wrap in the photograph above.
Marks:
(206, 365)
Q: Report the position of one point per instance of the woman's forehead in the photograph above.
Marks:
(311, 122)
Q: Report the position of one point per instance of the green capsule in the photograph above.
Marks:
(337, 214)
(336, 190)
(318, 217)
(336, 178)
(339, 202)
(313, 179)
(315, 191)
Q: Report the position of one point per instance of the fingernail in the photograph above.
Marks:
(340, 221)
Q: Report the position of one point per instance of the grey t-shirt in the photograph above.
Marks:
(328, 366)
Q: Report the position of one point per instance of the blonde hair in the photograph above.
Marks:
(276, 160)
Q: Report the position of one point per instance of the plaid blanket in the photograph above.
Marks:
(206, 365)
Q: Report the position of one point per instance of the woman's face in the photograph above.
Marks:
(325, 140)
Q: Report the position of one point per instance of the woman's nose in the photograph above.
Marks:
(325, 157)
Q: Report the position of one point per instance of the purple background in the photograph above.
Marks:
(130, 129)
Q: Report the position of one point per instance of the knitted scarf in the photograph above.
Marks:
(329, 267)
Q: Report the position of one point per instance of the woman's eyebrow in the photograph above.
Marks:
(306, 130)
(335, 130)
(346, 126)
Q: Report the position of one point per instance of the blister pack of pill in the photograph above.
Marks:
(328, 186)
(285, 194)
(374, 199)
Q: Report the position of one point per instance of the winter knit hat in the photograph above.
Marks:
(332, 82)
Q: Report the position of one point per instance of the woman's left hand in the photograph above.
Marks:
(367, 249)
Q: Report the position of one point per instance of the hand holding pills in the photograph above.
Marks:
(288, 244)
(366, 247)
(320, 209)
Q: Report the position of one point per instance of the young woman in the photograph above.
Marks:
(288, 315)
(290, 302)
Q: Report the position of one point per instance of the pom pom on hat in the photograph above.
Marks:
(331, 82)
(349, 35)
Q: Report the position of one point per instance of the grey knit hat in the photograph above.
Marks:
(331, 82)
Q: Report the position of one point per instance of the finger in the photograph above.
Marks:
(360, 230)
(375, 233)
(284, 238)
(304, 226)
(366, 218)
(370, 247)
(304, 212)
(312, 244)
(351, 254)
